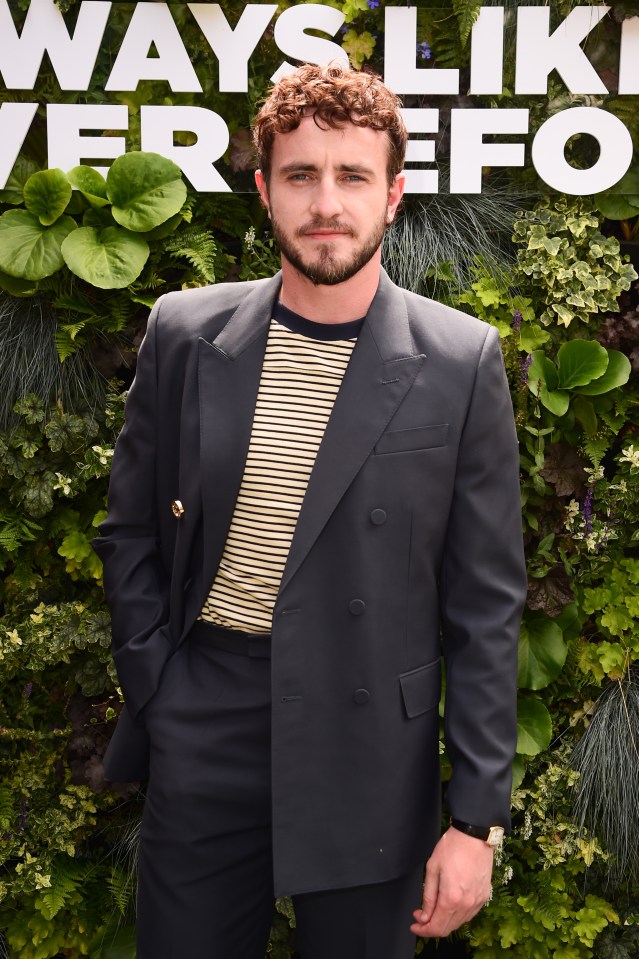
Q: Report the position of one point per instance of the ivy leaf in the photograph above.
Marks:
(29, 250)
(47, 194)
(145, 189)
(534, 727)
(542, 651)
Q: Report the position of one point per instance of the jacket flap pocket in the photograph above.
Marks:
(422, 438)
(421, 688)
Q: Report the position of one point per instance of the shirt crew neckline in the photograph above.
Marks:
(314, 330)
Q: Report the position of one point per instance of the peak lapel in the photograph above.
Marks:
(382, 369)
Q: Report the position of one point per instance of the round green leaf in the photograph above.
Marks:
(621, 201)
(145, 189)
(109, 259)
(17, 287)
(98, 217)
(617, 373)
(542, 371)
(90, 183)
(585, 415)
(557, 401)
(46, 195)
(534, 727)
(14, 187)
(615, 206)
(542, 651)
(518, 771)
(580, 362)
(29, 250)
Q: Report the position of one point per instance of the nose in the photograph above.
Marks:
(326, 203)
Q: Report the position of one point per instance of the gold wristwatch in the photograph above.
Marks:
(491, 835)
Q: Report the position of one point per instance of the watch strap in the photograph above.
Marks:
(477, 832)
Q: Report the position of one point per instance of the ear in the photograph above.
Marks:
(262, 188)
(395, 195)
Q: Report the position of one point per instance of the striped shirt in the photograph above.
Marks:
(303, 369)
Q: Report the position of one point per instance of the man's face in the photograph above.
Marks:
(329, 199)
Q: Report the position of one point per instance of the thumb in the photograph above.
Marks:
(431, 891)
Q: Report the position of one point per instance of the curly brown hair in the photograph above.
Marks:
(333, 95)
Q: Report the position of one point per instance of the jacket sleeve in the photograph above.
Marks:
(136, 583)
(483, 590)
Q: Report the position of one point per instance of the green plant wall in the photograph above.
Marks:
(79, 270)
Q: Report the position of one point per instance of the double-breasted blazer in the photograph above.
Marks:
(408, 546)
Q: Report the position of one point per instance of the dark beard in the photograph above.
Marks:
(326, 270)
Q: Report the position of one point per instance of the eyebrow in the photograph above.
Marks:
(313, 168)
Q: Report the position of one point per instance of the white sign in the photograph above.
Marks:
(475, 132)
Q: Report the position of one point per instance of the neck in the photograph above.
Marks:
(341, 303)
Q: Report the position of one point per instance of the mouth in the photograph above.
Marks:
(324, 232)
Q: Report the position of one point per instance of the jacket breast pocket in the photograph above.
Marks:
(421, 688)
(421, 438)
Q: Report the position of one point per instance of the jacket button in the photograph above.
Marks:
(177, 509)
(378, 516)
(361, 696)
(356, 607)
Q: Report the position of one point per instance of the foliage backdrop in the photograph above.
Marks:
(79, 270)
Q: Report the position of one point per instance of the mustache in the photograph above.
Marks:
(334, 225)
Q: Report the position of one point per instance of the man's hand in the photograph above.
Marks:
(457, 884)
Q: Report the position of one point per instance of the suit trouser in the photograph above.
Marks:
(205, 868)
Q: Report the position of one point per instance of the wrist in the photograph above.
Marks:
(490, 835)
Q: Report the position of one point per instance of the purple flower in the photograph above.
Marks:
(424, 50)
(22, 817)
(517, 318)
(26, 692)
(372, 4)
(586, 510)
(525, 366)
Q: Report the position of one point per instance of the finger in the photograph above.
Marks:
(430, 895)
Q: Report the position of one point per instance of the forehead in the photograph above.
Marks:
(333, 146)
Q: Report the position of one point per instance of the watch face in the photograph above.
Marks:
(495, 836)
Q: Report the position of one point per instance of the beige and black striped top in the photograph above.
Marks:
(303, 368)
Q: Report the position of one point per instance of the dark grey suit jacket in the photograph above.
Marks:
(408, 542)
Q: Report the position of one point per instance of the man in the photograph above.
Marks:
(318, 478)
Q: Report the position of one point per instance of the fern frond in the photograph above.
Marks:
(198, 248)
(16, 530)
(595, 448)
(466, 12)
(65, 876)
(122, 883)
